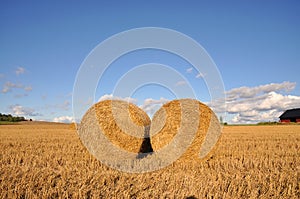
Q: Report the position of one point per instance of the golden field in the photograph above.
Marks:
(44, 160)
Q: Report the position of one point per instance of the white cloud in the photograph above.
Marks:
(180, 83)
(189, 70)
(255, 117)
(8, 86)
(20, 70)
(5, 89)
(200, 75)
(249, 92)
(64, 119)
(22, 111)
(260, 103)
(110, 97)
(150, 106)
(244, 105)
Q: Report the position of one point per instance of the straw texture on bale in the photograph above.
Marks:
(117, 119)
(166, 123)
(183, 129)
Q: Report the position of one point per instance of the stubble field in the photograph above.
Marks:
(41, 160)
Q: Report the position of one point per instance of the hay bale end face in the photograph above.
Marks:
(117, 118)
(167, 120)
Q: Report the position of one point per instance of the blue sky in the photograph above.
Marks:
(255, 45)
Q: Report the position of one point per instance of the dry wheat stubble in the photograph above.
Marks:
(48, 161)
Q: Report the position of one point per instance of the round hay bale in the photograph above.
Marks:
(168, 121)
(116, 132)
(123, 123)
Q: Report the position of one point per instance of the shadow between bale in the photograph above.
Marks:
(146, 147)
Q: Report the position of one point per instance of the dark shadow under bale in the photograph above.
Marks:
(146, 147)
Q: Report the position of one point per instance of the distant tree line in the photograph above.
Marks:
(10, 118)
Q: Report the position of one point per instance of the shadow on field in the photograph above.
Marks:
(146, 147)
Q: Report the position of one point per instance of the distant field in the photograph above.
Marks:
(44, 160)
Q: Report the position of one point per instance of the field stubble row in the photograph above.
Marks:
(49, 161)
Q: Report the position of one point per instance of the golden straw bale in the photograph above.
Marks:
(181, 130)
(167, 122)
(120, 121)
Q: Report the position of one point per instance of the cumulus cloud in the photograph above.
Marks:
(269, 101)
(110, 97)
(20, 70)
(255, 117)
(189, 70)
(64, 119)
(150, 106)
(250, 92)
(5, 89)
(244, 104)
(8, 86)
(23, 111)
(261, 103)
